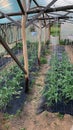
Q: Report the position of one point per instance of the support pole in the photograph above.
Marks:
(49, 32)
(25, 54)
(60, 33)
(4, 44)
(44, 36)
(28, 1)
(39, 45)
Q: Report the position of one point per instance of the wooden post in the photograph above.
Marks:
(15, 34)
(28, 4)
(49, 32)
(60, 33)
(44, 36)
(39, 45)
(23, 31)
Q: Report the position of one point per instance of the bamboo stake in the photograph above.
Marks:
(39, 45)
(23, 31)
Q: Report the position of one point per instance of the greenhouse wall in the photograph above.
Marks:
(54, 40)
(66, 31)
(33, 36)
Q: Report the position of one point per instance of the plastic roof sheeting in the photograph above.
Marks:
(8, 6)
(11, 6)
(59, 3)
(5, 20)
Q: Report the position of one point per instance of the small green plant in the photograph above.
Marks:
(7, 127)
(59, 81)
(7, 116)
(61, 42)
(12, 77)
(61, 116)
(18, 113)
(23, 129)
(43, 60)
(10, 87)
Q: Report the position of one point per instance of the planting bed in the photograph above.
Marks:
(12, 84)
(6, 59)
(58, 92)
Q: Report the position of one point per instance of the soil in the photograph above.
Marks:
(6, 59)
(69, 50)
(28, 119)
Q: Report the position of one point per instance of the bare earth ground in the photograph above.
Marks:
(28, 118)
(69, 50)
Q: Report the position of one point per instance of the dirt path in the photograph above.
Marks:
(69, 51)
(29, 120)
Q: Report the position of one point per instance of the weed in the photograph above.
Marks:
(7, 116)
(61, 116)
(18, 113)
(6, 127)
(23, 129)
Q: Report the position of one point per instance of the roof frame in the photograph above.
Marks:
(21, 6)
(41, 12)
(50, 10)
(6, 16)
(36, 3)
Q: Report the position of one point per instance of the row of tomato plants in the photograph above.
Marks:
(12, 77)
(59, 81)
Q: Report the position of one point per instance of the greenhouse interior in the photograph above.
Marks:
(36, 64)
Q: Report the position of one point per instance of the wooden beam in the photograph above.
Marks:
(36, 3)
(4, 44)
(49, 10)
(21, 7)
(11, 14)
(35, 25)
(41, 12)
(6, 16)
(45, 18)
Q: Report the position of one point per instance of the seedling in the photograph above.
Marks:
(61, 116)
(23, 129)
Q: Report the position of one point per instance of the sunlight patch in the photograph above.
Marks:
(5, 4)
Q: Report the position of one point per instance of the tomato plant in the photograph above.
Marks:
(59, 80)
